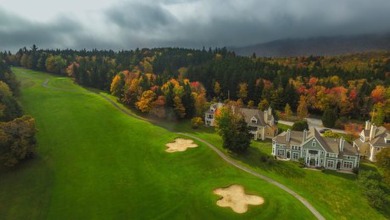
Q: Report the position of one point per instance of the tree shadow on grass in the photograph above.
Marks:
(258, 159)
(349, 176)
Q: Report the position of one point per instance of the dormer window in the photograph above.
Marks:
(254, 120)
(212, 110)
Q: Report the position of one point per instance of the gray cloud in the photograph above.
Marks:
(16, 32)
(197, 23)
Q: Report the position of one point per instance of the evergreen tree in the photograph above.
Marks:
(329, 118)
(233, 130)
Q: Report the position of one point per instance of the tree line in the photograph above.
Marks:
(17, 131)
(352, 86)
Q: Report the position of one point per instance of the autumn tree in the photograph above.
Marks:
(302, 110)
(251, 103)
(179, 109)
(217, 89)
(378, 113)
(263, 105)
(145, 103)
(200, 103)
(17, 140)
(117, 85)
(158, 109)
(196, 122)
(55, 64)
(243, 91)
(287, 111)
(9, 107)
(378, 94)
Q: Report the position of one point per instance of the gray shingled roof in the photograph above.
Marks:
(380, 134)
(250, 113)
(379, 139)
(296, 138)
(331, 145)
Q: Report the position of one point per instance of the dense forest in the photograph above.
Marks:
(177, 83)
(17, 131)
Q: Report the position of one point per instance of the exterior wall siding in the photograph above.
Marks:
(319, 158)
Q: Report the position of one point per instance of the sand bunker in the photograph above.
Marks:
(235, 198)
(180, 144)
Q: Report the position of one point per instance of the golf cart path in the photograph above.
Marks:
(222, 155)
(254, 173)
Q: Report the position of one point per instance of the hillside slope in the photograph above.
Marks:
(318, 46)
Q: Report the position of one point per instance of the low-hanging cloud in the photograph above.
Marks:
(192, 23)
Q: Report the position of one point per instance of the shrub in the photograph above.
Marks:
(300, 125)
(196, 122)
(355, 170)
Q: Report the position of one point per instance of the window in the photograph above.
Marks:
(254, 120)
(330, 164)
(347, 164)
(295, 156)
(280, 152)
(313, 143)
(210, 116)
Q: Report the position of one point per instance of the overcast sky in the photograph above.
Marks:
(119, 24)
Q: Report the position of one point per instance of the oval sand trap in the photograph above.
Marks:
(180, 144)
(234, 197)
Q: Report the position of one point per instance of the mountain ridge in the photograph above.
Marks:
(318, 46)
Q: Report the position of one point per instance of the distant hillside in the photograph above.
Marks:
(318, 46)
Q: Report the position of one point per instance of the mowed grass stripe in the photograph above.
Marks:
(95, 162)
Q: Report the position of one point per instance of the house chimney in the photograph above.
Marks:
(266, 116)
(304, 135)
(269, 111)
(288, 135)
(341, 144)
(372, 132)
(367, 127)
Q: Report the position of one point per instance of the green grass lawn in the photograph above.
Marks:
(95, 162)
(335, 195)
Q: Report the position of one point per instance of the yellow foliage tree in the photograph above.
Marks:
(145, 104)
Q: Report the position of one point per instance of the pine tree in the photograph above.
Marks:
(329, 118)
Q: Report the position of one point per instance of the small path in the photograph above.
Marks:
(289, 123)
(252, 172)
(313, 123)
(44, 84)
(121, 109)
